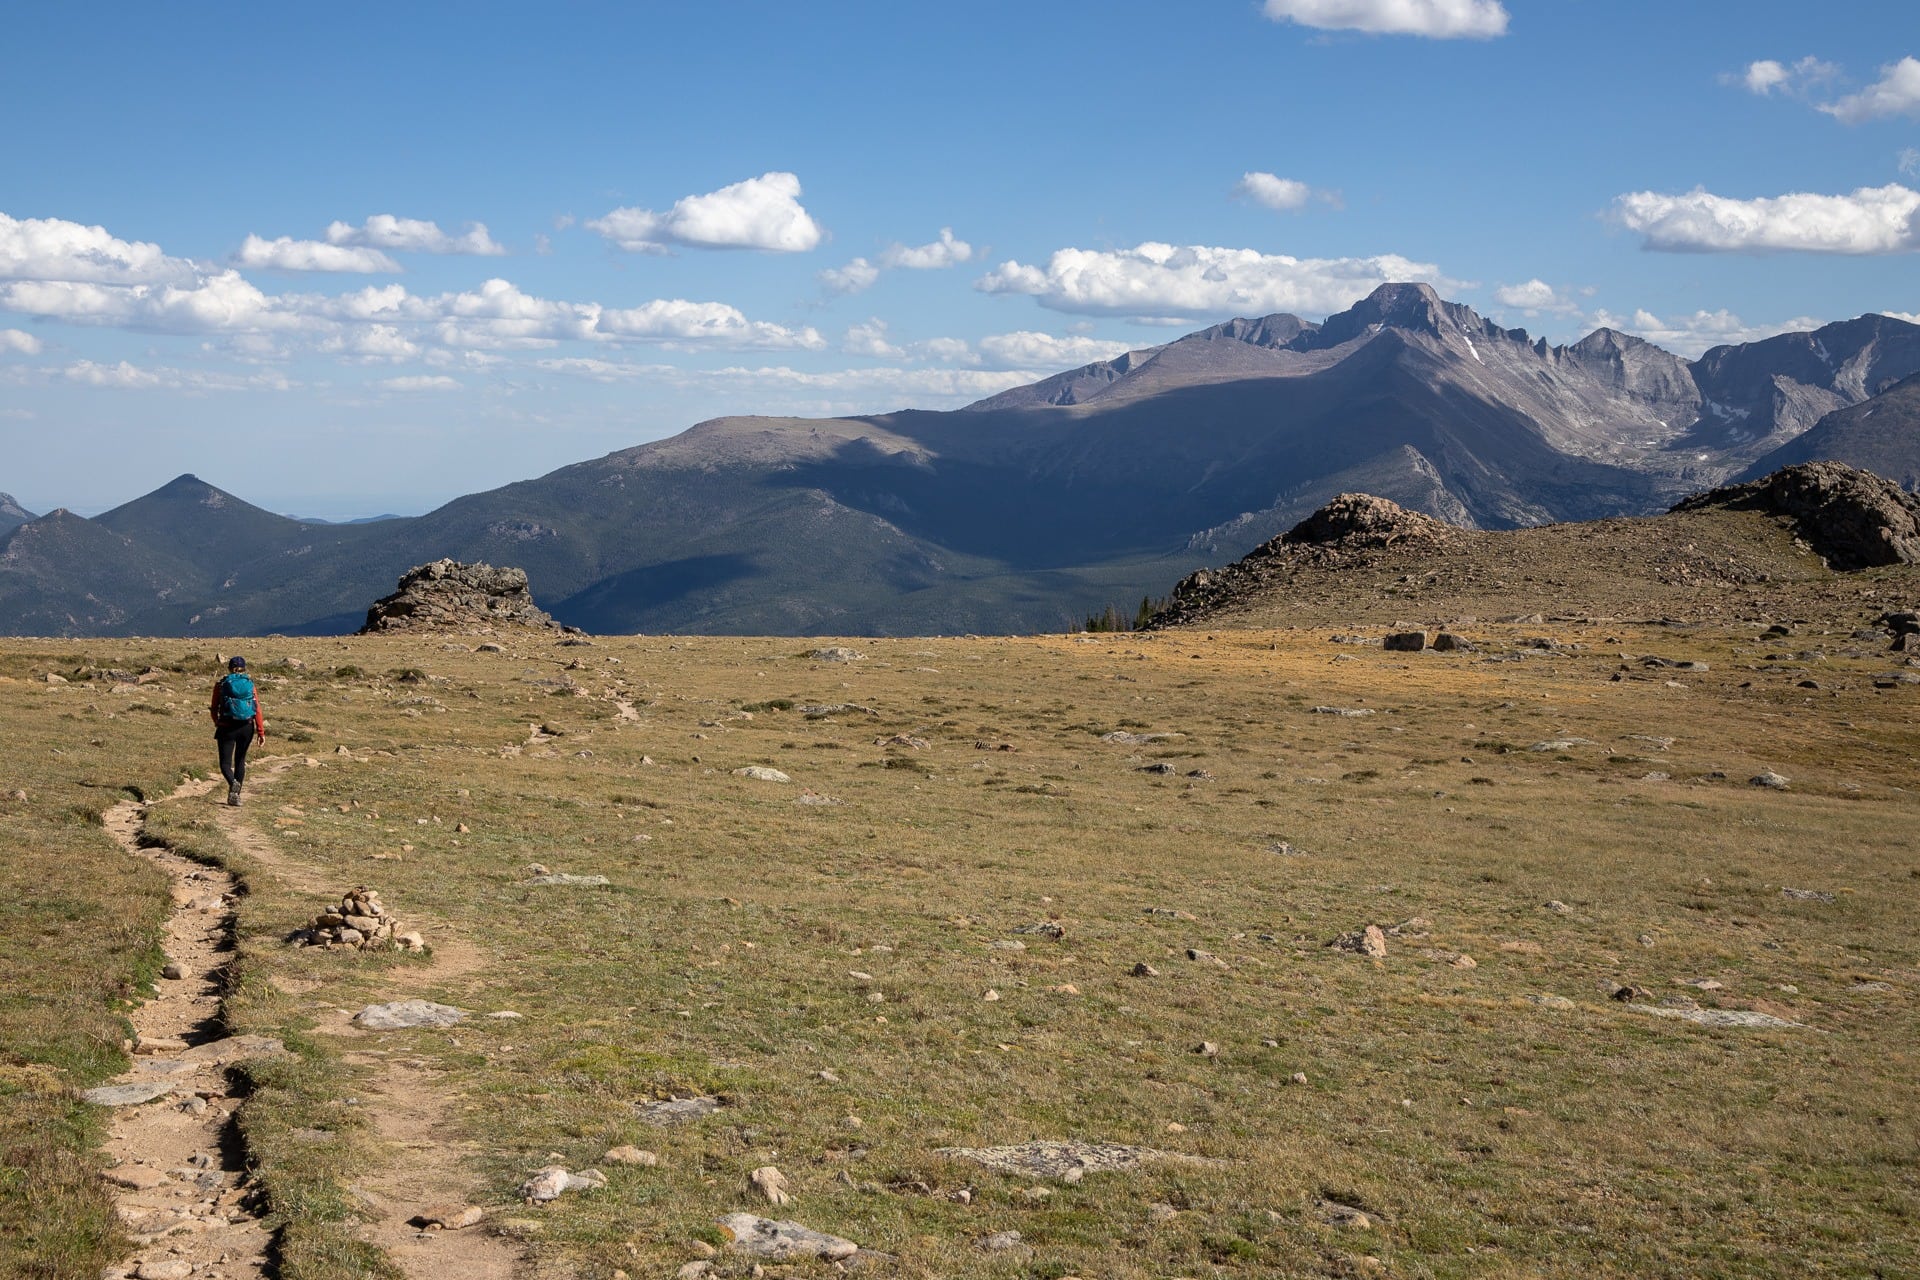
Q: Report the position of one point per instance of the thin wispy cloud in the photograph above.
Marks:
(414, 235)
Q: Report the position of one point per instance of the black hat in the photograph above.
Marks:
(236, 663)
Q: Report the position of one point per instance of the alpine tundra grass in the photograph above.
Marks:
(974, 917)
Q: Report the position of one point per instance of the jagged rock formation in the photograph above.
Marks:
(449, 596)
(1349, 526)
(1355, 520)
(1853, 518)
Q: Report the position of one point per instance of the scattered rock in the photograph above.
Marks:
(1370, 941)
(1145, 970)
(1045, 928)
(1404, 642)
(1124, 738)
(1298, 1077)
(173, 970)
(1716, 1017)
(631, 1155)
(1057, 1159)
(401, 1014)
(164, 1269)
(1205, 957)
(448, 1217)
(1550, 1002)
(835, 653)
(1158, 766)
(1345, 1215)
(902, 740)
(1556, 906)
(1770, 780)
(562, 878)
(128, 1095)
(674, 1111)
(1447, 642)
(137, 1177)
(1000, 1241)
(1561, 744)
(1349, 712)
(777, 1241)
(554, 1180)
(771, 1184)
(760, 773)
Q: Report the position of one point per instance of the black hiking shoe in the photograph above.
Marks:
(233, 794)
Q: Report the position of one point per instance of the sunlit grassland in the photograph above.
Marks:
(742, 940)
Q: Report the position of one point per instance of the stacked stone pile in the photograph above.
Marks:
(359, 921)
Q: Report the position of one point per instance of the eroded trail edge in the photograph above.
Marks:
(180, 1183)
(422, 1173)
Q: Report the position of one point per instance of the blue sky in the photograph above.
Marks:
(368, 258)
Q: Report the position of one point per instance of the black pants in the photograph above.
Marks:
(234, 739)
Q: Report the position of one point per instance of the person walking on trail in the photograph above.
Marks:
(237, 723)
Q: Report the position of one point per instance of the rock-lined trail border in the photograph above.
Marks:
(178, 1164)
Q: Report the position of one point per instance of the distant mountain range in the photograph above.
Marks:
(1028, 510)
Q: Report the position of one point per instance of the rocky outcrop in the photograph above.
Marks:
(1357, 520)
(1853, 518)
(1351, 526)
(467, 598)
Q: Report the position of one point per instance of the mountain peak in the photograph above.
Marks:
(1410, 305)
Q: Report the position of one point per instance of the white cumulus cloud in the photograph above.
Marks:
(1435, 19)
(944, 252)
(759, 213)
(413, 235)
(1282, 195)
(870, 339)
(55, 249)
(1870, 220)
(224, 302)
(1533, 297)
(19, 340)
(1157, 281)
(856, 277)
(677, 320)
(1027, 349)
(1896, 93)
(288, 254)
(123, 376)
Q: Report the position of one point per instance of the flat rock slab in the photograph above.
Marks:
(761, 773)
(1349, 712)
(401, 1014)
(129, 1095)
(234, 1048)
(677, 1110)
(777, 1241)
(561, 877)
(1718, 1017)
(1058, 1159)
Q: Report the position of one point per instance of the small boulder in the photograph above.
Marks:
(401, 1014)
(1370, 941)
(1405, 642)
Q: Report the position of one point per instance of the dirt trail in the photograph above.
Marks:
(402, 1095)
(178, 1163)
(179, 1180)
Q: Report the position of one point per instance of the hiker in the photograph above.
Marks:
(236, 723)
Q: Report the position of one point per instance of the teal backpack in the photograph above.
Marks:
(236, 697)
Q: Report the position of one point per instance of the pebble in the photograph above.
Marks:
(165, 1269)
(173, 970)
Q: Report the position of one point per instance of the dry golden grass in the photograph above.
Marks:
(1482, 1131)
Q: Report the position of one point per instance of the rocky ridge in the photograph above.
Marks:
(1711, 553)
(447, 596)
(1854, 518)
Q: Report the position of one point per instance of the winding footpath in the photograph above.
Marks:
(177, 1164)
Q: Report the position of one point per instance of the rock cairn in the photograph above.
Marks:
(447, 596)
(361, 922)
(1854, 518)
